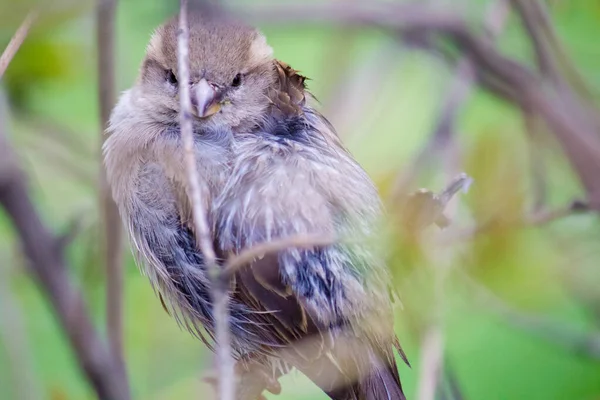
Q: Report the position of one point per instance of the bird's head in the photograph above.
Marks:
(231, 70)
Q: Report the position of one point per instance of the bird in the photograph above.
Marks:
(272, 166)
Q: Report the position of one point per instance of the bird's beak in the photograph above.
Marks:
(204, 99)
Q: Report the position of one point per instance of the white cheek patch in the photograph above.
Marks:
(154, 45)
(260, 51)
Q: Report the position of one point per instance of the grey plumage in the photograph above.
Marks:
(272, 167)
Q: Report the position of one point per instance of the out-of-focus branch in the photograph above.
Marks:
(455, 392)
(543, 217)
(572, 339)
(358, 85)
(564, 62)
(535, 142)
(432, 352)
(572, 121)
(387, 15)
(424, 208)
(46, 263)
(14, 339)
(432, 361)
(12, 333)
(551, 56)
(536, 20)
(111, 222)
(62, 159)
(459, 92)
(537, 218)
(219, 287)
(543, 52)
(16, 42)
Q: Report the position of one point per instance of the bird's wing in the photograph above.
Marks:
(287, 95)
(332, 360)
(277, 308)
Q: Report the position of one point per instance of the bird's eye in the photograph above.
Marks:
(237, 80)
(171, 78)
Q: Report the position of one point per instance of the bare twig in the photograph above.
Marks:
(62, 159)
(535, 143)
(424, 208)
(452, 381)
(537, 218)
(359, 85)
(540, 10)
(219, 289)
(16, 42)
(431, 363)
(543, 52)
(387, 15)
(572, 122)
(551, 57)
(543, 217)
(458, 94)
(47, 265)
(433, 348)
(274, 246)
(73, 141)
(572, 339)
(570, 119)
(14, 339)
(111, 223)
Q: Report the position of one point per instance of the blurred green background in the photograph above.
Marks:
(537, 337)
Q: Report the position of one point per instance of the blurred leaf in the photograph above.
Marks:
(496, 163)
(39, 60)
(53, 12)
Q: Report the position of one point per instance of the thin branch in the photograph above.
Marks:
(274, 246)
(534, 127)
(13, 337)
(572, 122)
(16, 42)
(452, 381)
(460, 91)
(62, 159)
(433, 347)
(111, 221)
(570, 338)
(219, 287)
(46, 263)
(544, 217)
(537, 218)
(431, 363)
(72, 140)
(545, 60)
(423, 207)
(572, 74)
(358, 85)
(352, 12)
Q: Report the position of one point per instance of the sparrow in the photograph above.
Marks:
(272, 167)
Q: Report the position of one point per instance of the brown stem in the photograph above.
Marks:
(219, 293)
(458, 93)
(113, 243)
(537, 218)
(545, 60)
(14, 338)
(46, 263)
(572, 121)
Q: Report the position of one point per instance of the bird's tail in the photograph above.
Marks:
(379, 381)
(382, 382)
